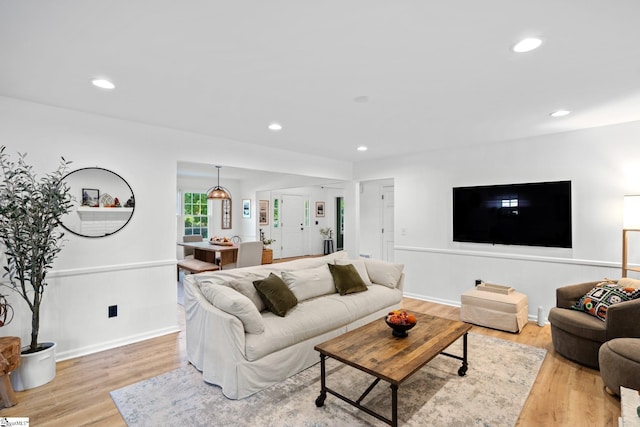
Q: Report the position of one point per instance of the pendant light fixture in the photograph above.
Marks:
(218, 192)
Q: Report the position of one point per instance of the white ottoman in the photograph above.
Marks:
(505, 311)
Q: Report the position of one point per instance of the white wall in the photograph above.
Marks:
(134, 268)
(603, 165)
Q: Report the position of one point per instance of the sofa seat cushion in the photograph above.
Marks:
(578, 323)
(306, 320)
(364, 303)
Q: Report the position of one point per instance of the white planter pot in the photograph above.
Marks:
(35, 369)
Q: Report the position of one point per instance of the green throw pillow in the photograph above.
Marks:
(276, 295)
(347, 279)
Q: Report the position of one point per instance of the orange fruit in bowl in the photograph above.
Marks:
(411, 319)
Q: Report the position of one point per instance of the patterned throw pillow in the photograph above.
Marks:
(605, 294)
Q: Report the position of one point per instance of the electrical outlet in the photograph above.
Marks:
(113, 311)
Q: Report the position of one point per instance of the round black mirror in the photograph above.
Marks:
(104, 202)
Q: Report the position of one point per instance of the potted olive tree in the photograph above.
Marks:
(30, 213)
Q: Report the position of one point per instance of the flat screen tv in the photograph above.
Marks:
(533, 214)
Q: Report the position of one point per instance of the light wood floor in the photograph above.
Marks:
(564, 394)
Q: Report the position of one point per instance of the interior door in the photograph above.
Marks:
(292, 225)
(387, 223)
(339, 223)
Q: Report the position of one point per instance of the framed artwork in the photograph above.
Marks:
(226, 214)
(246, 208)
(263, 212)
(319, 209)
(90, 197)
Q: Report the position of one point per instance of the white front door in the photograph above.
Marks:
(292, 225)
(387, 223)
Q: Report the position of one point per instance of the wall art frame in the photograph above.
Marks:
(91, 197)
(263, 212)
(246, 208)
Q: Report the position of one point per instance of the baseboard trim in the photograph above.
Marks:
(84, 351)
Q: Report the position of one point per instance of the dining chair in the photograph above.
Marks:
(189, 252)
(249, 254)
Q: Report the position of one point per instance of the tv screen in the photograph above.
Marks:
(534, 214)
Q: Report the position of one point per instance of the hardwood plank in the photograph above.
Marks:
(564, 394)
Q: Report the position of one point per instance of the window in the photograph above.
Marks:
(509, 203)
(276, 213)
(195, 211)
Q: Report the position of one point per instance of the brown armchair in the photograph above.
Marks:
(578, 336)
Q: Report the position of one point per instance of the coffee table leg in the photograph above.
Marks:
(323, 389)
(463, 369)
(394, 405)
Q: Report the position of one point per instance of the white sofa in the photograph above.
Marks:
(244, 350)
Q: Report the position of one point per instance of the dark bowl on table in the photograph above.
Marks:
(400, 330)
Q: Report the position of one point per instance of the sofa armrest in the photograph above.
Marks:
(567, 296)
(623, 320)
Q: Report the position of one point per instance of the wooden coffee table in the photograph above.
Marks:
(372, 349)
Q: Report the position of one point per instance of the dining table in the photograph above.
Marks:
(208, 251)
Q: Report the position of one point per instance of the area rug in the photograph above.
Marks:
(500, 376)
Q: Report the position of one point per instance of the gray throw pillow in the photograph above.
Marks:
(276, 295)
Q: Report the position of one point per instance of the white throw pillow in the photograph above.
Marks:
(383, 272)
(334, 256)
(359, 265)
(310, 283)
(246, 288)
(233, 302)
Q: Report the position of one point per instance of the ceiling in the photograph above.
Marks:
(256, 179)
(431, 74)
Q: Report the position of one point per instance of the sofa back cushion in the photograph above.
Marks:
(383, 272)
(310, 283)
(233, 302)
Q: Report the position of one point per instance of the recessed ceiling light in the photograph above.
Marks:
(560, 113)
(275, 126)
(103, 84)
(527, 45)
(362, 148)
